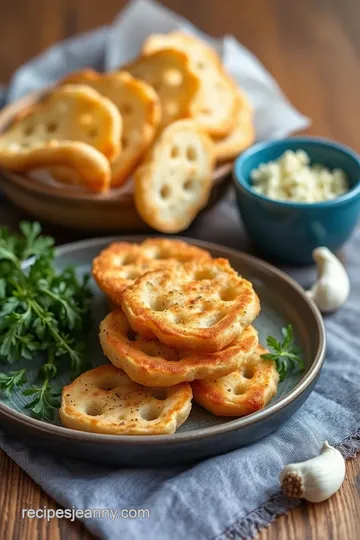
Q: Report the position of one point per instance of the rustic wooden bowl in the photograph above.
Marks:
(70, 206)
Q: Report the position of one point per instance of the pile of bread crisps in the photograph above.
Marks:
(180, 329)
(164, 120)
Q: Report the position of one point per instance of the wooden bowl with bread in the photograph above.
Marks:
(148, 146)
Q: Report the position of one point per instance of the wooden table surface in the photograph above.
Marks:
(312, 48)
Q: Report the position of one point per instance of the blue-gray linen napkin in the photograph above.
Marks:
(229, 496)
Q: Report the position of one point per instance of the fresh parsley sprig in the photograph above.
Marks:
(286, 354)
(45, 402)
(42, 311)
(8, 381)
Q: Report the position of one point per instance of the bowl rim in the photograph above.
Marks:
(37, 426)
(240, 183)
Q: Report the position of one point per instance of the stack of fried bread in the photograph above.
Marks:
(162, 121)
(181, 327)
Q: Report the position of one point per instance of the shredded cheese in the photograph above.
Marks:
(292, 178)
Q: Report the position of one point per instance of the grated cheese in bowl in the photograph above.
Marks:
(292, 178)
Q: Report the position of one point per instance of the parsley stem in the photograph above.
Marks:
(51, 357)
(40, 313)
(54, 296)
(49, 370)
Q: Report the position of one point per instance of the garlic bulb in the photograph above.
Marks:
(332, 288)
(316, 479)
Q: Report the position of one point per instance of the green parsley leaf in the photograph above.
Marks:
(34, 243)
(285, 354)
(8, 381)
(45, 401)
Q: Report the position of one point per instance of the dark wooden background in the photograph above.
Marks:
(312, 47)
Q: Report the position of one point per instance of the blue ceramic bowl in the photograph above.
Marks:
(289, 231)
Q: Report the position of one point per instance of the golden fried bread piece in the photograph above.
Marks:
(246, 390)
(202, 305)
(70, 127)
(121, 263)
(89, 166)
(68, 113)
(139, 106)
(68, 176)
(169, 73)
(105, 400)
(215, 105)
(202, 57)
(242, 135)
(174, 182)
(151, 363)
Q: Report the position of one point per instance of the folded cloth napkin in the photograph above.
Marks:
(234, 495)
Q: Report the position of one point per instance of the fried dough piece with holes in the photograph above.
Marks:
(105, 400)
(169, 73)
(91, 166)
(215, 108)
(121, 263)
(242, 135)
(71, 126)
(174, 182)
(149, 362)
(140, 109)
(215, 104)
(202, 305)
(202, 56)
(245, 391)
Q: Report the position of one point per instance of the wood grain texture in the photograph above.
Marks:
(18, 491)
(338, 518)
(312, 48)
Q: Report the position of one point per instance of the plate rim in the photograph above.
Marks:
(19, 419)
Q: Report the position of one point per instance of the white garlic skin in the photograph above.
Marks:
(322, 476)
(332, 288)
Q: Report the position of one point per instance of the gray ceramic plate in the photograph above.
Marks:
(202, 435)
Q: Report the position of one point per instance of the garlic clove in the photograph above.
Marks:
(316, 479)
(332, 288)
